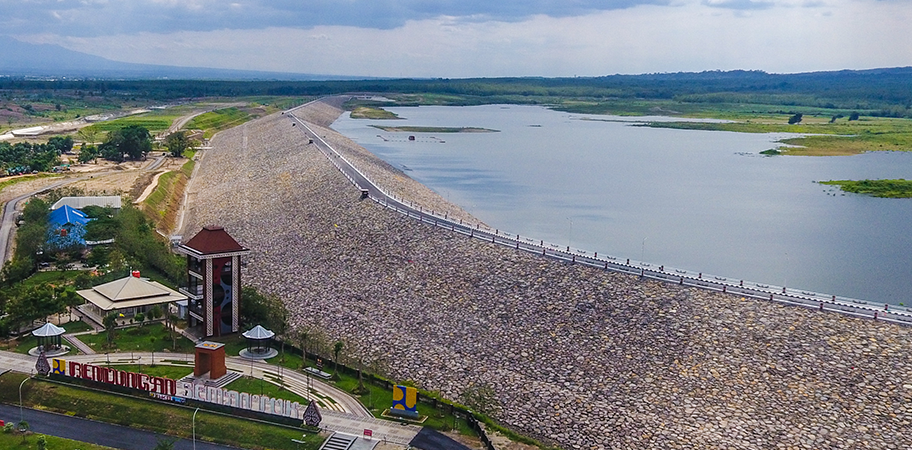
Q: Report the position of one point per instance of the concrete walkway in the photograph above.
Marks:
(81, 346)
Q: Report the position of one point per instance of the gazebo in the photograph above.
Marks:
(259, 343)
(49, 338)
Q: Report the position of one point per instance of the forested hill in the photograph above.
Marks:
(885, 92)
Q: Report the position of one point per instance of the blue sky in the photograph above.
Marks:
(467, 38)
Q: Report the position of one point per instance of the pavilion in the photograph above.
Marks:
(49, 338)
(127, 296)
(259, 343)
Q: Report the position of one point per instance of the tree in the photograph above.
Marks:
(61, 144)
(795, 119)
(110, 323)
(337, 348)
(88, 134)
(140, 318)
(155, 313)
(302, 335)
(132, 142)
(853, 116)
(262, 309)
(87, 153)
(177, 142)
(169, 324)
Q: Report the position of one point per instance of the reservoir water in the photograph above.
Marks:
(696, 200)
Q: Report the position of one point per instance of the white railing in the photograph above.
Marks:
(797, 297)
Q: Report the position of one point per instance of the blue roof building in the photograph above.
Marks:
(66, 227)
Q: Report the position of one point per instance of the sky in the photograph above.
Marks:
(476, 38)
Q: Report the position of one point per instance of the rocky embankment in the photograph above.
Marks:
(577, 356)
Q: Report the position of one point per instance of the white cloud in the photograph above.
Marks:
(692, 36)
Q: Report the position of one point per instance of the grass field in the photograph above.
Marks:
(139, 339)
(223, 119)
(155, 121)
(14, 441)
(19, 179)
(825, 139)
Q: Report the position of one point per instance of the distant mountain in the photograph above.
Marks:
(21, 59)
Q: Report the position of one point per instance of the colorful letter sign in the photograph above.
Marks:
(178, 391)
(405, 401)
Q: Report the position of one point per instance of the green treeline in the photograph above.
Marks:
(25, 157)
(881, 92)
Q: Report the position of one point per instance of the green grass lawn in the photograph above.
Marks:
(151, 415)
(14, 441)
(139, 339)
(154, 121)
(158, 370)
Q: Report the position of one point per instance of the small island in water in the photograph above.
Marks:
(878, 188)
(367, 112)
(434, 129)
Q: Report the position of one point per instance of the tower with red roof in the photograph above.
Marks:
(213, 280)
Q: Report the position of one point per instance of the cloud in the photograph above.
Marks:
(687, 35)
(647, 38)
(739, 4)
(101, 17)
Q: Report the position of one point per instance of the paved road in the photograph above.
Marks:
(85, 430)
(8, 224)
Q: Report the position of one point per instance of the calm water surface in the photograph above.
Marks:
(696, 200)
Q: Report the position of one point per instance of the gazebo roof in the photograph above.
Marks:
(258, 333)
(48, 330)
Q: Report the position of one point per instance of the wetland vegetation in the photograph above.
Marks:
(434, 129)
(899, 188)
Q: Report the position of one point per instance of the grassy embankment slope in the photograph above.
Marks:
(163, 204)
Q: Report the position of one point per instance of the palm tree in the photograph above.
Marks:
(337, 348)
(110, 323)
